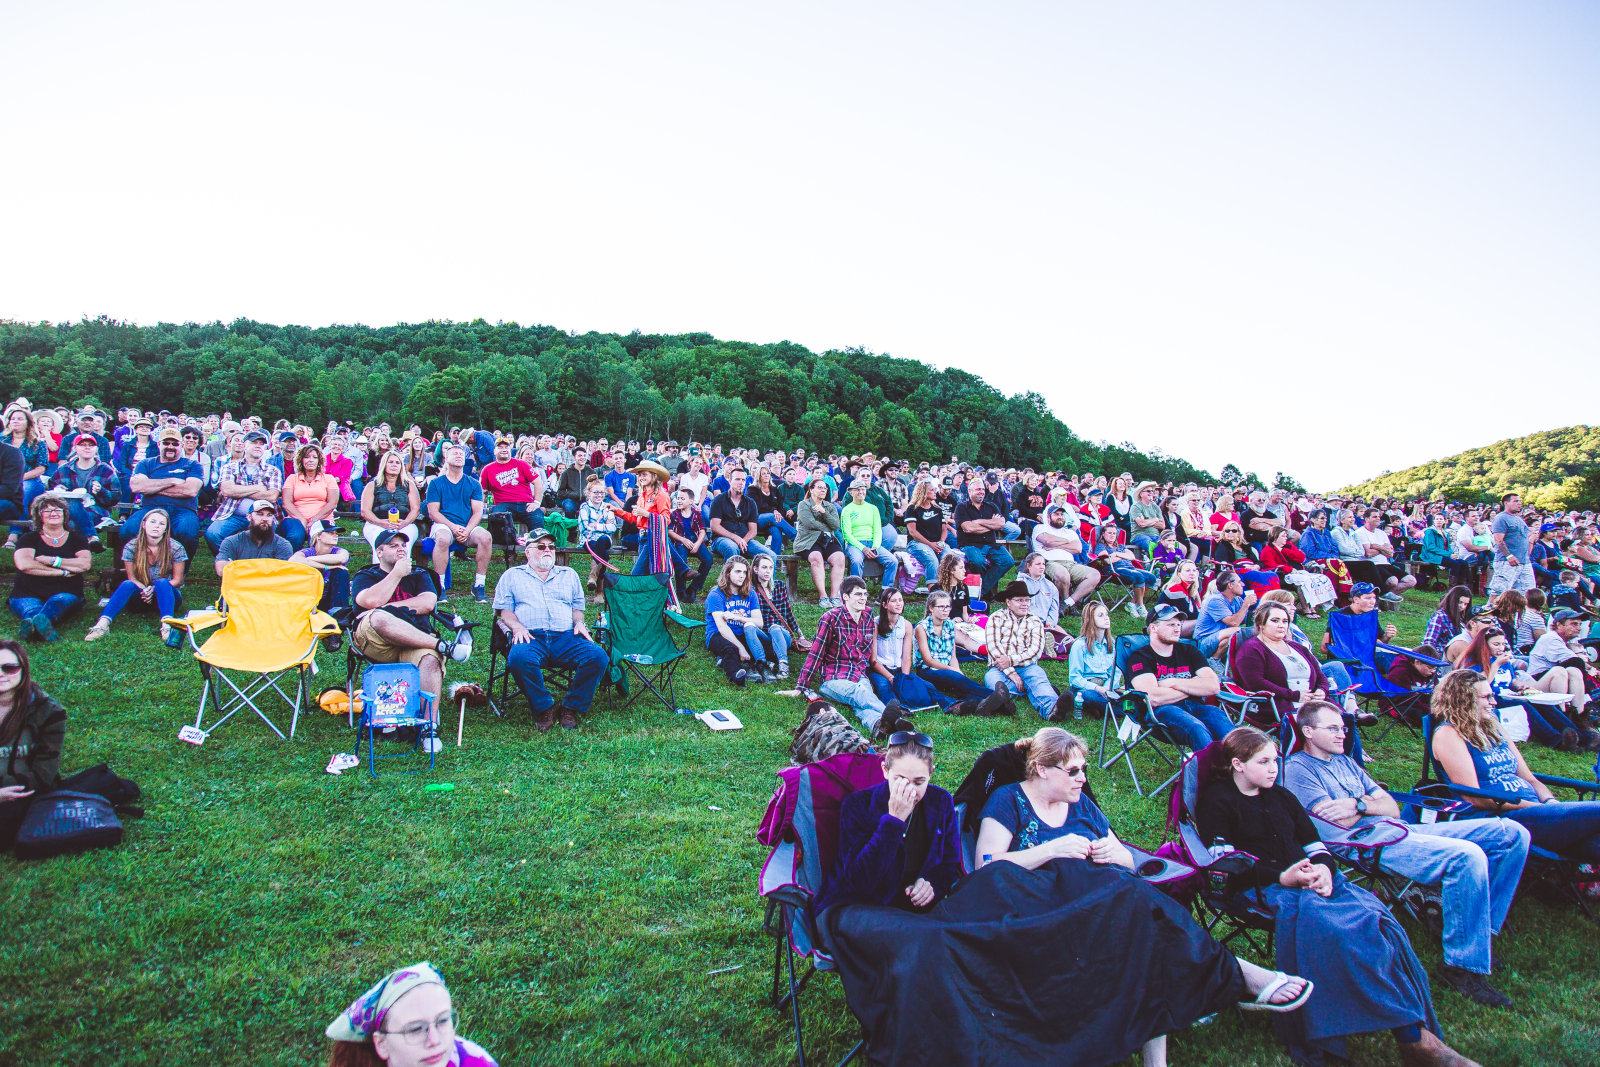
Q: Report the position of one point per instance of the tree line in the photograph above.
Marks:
(681, 386)
(1552, 469)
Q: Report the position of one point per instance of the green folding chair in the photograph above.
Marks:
(637, 638)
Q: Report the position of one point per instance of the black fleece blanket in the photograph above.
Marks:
(1069, 964)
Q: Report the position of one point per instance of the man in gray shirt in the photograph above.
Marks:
(256, 541)
(1512, 567)
(540, 606)
(1476, 862)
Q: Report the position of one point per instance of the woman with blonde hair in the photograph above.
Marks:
(23, 434)
(155, 566)
(390, 501)
(1470, 750)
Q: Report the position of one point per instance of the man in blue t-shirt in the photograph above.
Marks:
(170, 482)
(1222, 612)
(455, 508)
(1512, 568)
(619, 483)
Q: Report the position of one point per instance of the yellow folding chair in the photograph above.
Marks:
(270, 626)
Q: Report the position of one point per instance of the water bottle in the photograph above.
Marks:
(1215, 876)
(394, 515)
(1077, 703)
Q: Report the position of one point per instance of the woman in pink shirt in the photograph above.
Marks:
(309, 494)
(340, 467)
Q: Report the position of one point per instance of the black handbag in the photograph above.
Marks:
(64, 823)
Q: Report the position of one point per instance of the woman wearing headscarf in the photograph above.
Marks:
(406, 1020)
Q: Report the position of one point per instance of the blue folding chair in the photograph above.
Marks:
(1353, 640)
(392, 699)
(1436, 797)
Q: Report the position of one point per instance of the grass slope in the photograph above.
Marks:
(576, 889)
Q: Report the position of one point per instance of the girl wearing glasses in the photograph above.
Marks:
(32, 727)
(406, 1020)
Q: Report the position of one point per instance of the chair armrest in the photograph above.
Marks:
(1442, 805)
(1409, 654)
(683, 620)
(323, 624)
(1372, 835)
(1495, 795)
(1580, 786)
(194, 621)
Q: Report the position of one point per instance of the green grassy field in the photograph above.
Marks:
(576, 889)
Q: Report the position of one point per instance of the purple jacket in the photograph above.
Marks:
(1259, 670)
(872, 849)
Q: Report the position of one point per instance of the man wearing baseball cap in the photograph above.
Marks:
(541, 606)
(171, 483)
(391, 600)
(1177, 680)
(1557, 662)
(241, 484)
(258, 540)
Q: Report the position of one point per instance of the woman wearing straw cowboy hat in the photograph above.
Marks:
(651, 513)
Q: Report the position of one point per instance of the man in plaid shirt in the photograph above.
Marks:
(1016, 639)
(243, 482)
(842, 653)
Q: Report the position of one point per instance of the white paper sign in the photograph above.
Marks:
(1128, 732)
(192, 734)
(1429, 816)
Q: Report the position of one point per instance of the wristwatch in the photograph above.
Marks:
(1361, 805)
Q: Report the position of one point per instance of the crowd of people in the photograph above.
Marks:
(919, 570)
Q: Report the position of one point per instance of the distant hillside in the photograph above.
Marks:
(1553, 468)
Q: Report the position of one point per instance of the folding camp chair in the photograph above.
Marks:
(1562, 874)
(270, 626)
(1353, 640)
(500, 678)
(637, 638)
(804, 844)
(392, 698)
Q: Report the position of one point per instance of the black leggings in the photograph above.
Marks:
(727, 653)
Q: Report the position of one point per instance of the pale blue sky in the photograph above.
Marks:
(1380, 215)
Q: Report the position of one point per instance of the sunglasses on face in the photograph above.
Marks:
(11, 668)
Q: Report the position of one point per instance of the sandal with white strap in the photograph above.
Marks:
(1263, 1001)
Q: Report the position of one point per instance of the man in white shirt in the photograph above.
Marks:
(1556, 661)
(1057, 540)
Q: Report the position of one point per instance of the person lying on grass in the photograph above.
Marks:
(406, 1020)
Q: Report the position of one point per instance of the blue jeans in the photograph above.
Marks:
(185, 525)
(1337, 673)
(219, 530)
(86, 518)
(1194, 724)
(58, 607)
(857, 556)
(31, 488)
(1040, 693)
(293, 531)
(923, 555)
(167, 598)
(992, 562)
(335, 589)
(857, 695)
(520, 514)
(569, 508)
(891, 538)
(1477, 864)
(952, 684)
(557, 648)
(726, 547)
(909, 690)
(776, 637)
(10, 510)
(1143, 542)
(1570, 828)
(1134, 576)
(777, 526)
(1545, 723)
(680, 561)
(1094, 702)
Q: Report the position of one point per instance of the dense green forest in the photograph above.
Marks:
(1556, 468)
(685, 386)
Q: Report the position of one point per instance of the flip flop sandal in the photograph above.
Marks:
(1264, 1003)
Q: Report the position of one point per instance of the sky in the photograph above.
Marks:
(1323, 239)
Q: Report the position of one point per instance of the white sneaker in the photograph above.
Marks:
(431, 743)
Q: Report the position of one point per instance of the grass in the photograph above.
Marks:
(576, 889)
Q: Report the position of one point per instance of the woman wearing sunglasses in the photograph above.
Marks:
(32, 727)
(1030, 961)
(406, 1020)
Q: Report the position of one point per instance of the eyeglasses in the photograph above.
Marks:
(417, 1033)
(909, 737)
(11, 668)
(1332, 728)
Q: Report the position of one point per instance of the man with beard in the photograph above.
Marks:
(171, 483)
(258, 540)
